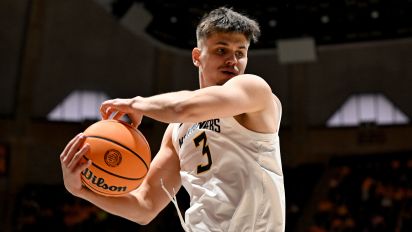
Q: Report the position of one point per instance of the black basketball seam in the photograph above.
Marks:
(121, 145)
(114, 174)
(115, 142)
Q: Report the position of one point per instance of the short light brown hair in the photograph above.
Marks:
(226, 20)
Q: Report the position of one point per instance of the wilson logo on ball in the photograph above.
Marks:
(113, 158)
(100, 182)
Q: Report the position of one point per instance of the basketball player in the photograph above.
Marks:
(221, 144)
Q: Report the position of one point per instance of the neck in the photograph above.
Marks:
(202, 81)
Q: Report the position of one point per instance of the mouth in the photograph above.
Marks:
(230, 72)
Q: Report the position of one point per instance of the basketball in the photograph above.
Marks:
(120, 157)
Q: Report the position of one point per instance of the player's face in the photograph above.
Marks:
(221, 57)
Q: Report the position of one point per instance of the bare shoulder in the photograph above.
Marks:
(250, 81)
(267, 117)
(167, 157)
(252, 85)
(167, 141)
(277, 102)
(169, 131)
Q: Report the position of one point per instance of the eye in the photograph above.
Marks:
(220, 51)
(239, 54)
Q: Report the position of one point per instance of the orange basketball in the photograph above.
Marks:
(120, 158)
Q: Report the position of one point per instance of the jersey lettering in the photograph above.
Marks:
(213, 125)
(202, 139)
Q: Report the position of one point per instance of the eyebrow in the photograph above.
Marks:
(227, 44)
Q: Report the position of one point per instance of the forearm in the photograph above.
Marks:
(128, 206)
(167, 107)
(239, 95)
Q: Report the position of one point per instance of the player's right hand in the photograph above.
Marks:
(72, 163)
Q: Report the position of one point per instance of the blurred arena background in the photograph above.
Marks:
(342, 69)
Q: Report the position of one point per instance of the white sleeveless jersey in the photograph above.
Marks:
(233, 176)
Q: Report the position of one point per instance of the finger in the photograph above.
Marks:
(81, 166)
(135, 120)
(78, 156)
(110, 111)
(68, 147)
(103, 109)
(118, 115)
(74, 148)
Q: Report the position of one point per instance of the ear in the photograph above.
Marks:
(196, 56)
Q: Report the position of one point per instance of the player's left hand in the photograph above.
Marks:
(117, 108)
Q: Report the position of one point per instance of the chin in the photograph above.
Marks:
(227, 76)
(222, 82)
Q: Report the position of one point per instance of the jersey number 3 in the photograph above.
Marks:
(202, 139)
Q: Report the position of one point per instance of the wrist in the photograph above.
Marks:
(134, 104)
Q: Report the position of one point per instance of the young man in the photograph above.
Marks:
(221, 144)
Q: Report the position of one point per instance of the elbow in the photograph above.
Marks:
(145, 214)
(144, 210)
(145, 220)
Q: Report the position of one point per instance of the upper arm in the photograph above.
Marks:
(166, 167)
(241, 94)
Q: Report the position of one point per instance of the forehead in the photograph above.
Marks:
(227, 39)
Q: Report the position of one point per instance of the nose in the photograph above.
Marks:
(231, 60)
